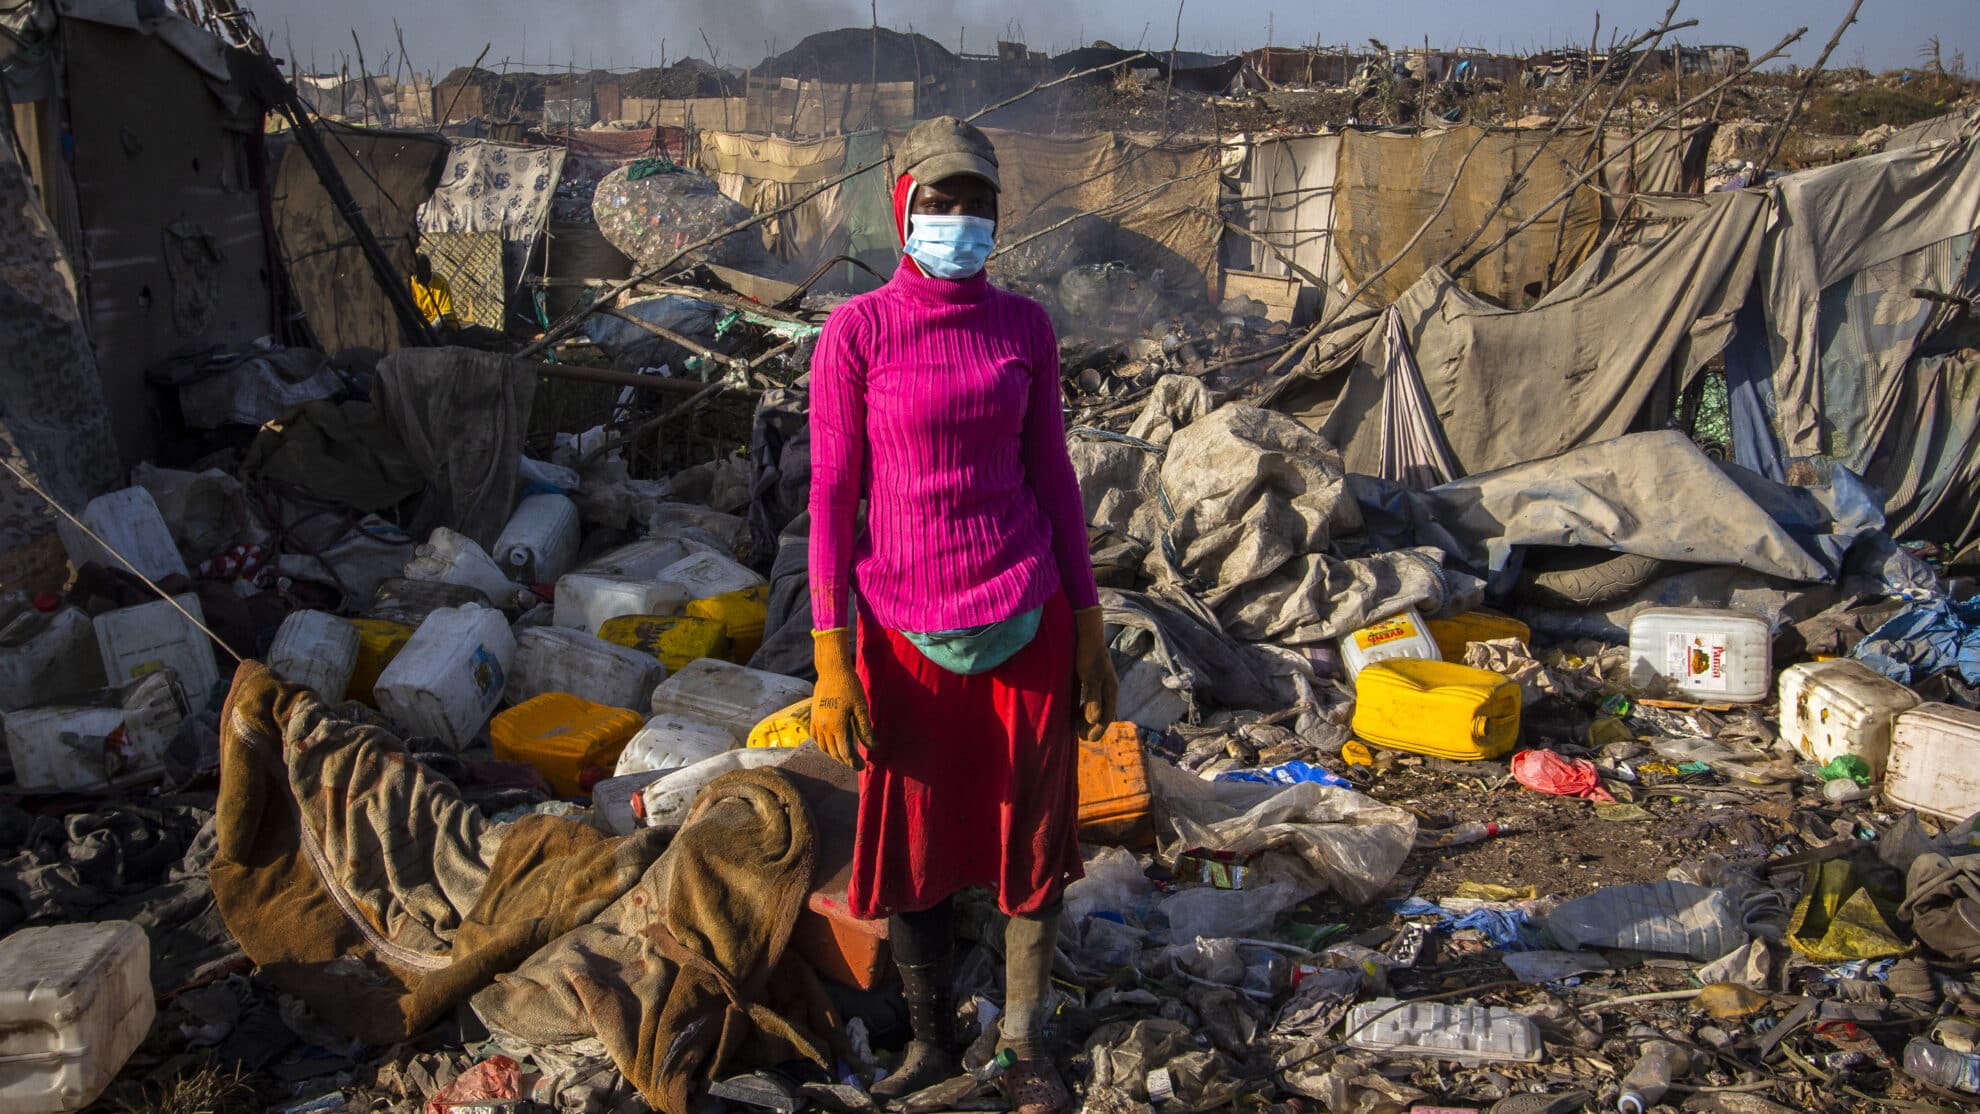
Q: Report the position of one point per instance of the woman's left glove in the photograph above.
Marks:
(1093, 669)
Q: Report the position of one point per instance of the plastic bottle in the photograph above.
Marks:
(994, 1066)
(1646, 1083)
(1843, 789)
(1457, 835)
(1667, 918)
(1935, 1063)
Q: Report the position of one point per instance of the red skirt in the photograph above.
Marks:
(975, 780)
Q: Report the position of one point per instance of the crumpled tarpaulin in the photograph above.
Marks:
(462, 415)
(1833, 222)
(1654, 494)
(1579, 366)
(361, 883)
(1923, 639)
(1239, 508)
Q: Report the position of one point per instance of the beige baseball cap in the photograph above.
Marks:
(947, 146)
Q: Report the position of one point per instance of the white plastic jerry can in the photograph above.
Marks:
(710, 574)
(667, 742)
(1934, 764)
(1403, 636)
(588, 600)
(138, 641)
(733, 697)
(454, 558)
(317, 650)
(1833, 708)
(1703, 653)
(540, 540)
(130, 522)
(57, 749)
(45, 656)
(448, 678)
(75, 1002)
(558, 659)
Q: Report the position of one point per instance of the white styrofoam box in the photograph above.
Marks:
(138, 641)
(540, 540)
(1401, 636)
(710, 574)
(558, 659)
(1703, 653)
(75, 1002)
(734, 697)
(45, 656)
(1833, 708)
(667, 742)
(1934, 764)
(449, 677)
(317, 650)
(129, 520)
(57, 749)
(588, 600)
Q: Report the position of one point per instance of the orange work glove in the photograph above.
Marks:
(1093, 670)
(840, 724)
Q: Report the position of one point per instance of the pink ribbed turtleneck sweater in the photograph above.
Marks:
(938, 403)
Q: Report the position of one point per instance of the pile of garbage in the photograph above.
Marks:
(1656, 791)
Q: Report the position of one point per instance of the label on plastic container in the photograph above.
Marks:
(1697, 661)
(1385, 632)
(487, 670)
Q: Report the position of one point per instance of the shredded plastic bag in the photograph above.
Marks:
(1545, 771)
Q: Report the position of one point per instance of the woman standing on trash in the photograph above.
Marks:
(958, 634)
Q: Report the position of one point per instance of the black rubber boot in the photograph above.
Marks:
(928, 1058)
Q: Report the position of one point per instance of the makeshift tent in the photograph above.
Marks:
(1579, 366)
(764, 173)
(391, 174)
(1389, 186)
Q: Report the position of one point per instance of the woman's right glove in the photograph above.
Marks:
(840, 724)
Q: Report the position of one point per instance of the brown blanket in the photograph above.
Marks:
(363, 884)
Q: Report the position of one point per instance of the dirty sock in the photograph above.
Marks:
(1029, 943)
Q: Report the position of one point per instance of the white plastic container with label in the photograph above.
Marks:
(1702, 653)
(45, 656)
(56, 749)
(670, 741)
(75, 1002)
(137, 641)
(1444, 1031)
(587, 600)
(710, 574)
(557, 659)
(130, 522)
(315, 649)
(449, 677)
(453, 558)
(733, 697)
(1404, 636)
(1934, 764)
(1833, 708)
(540, 541)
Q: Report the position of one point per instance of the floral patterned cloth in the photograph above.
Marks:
(494, 187)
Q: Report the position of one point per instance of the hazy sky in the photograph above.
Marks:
(441, 34)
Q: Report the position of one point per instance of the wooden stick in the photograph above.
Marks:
(1801, 97)
(569, 324)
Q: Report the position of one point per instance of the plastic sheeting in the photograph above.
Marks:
(1578, 367)
(462, 415)
(1389, 186)
(1653, 494)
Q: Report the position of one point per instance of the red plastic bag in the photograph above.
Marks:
(497, 1077)
(1545, 771)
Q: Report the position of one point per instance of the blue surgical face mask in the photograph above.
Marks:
(950, 247)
